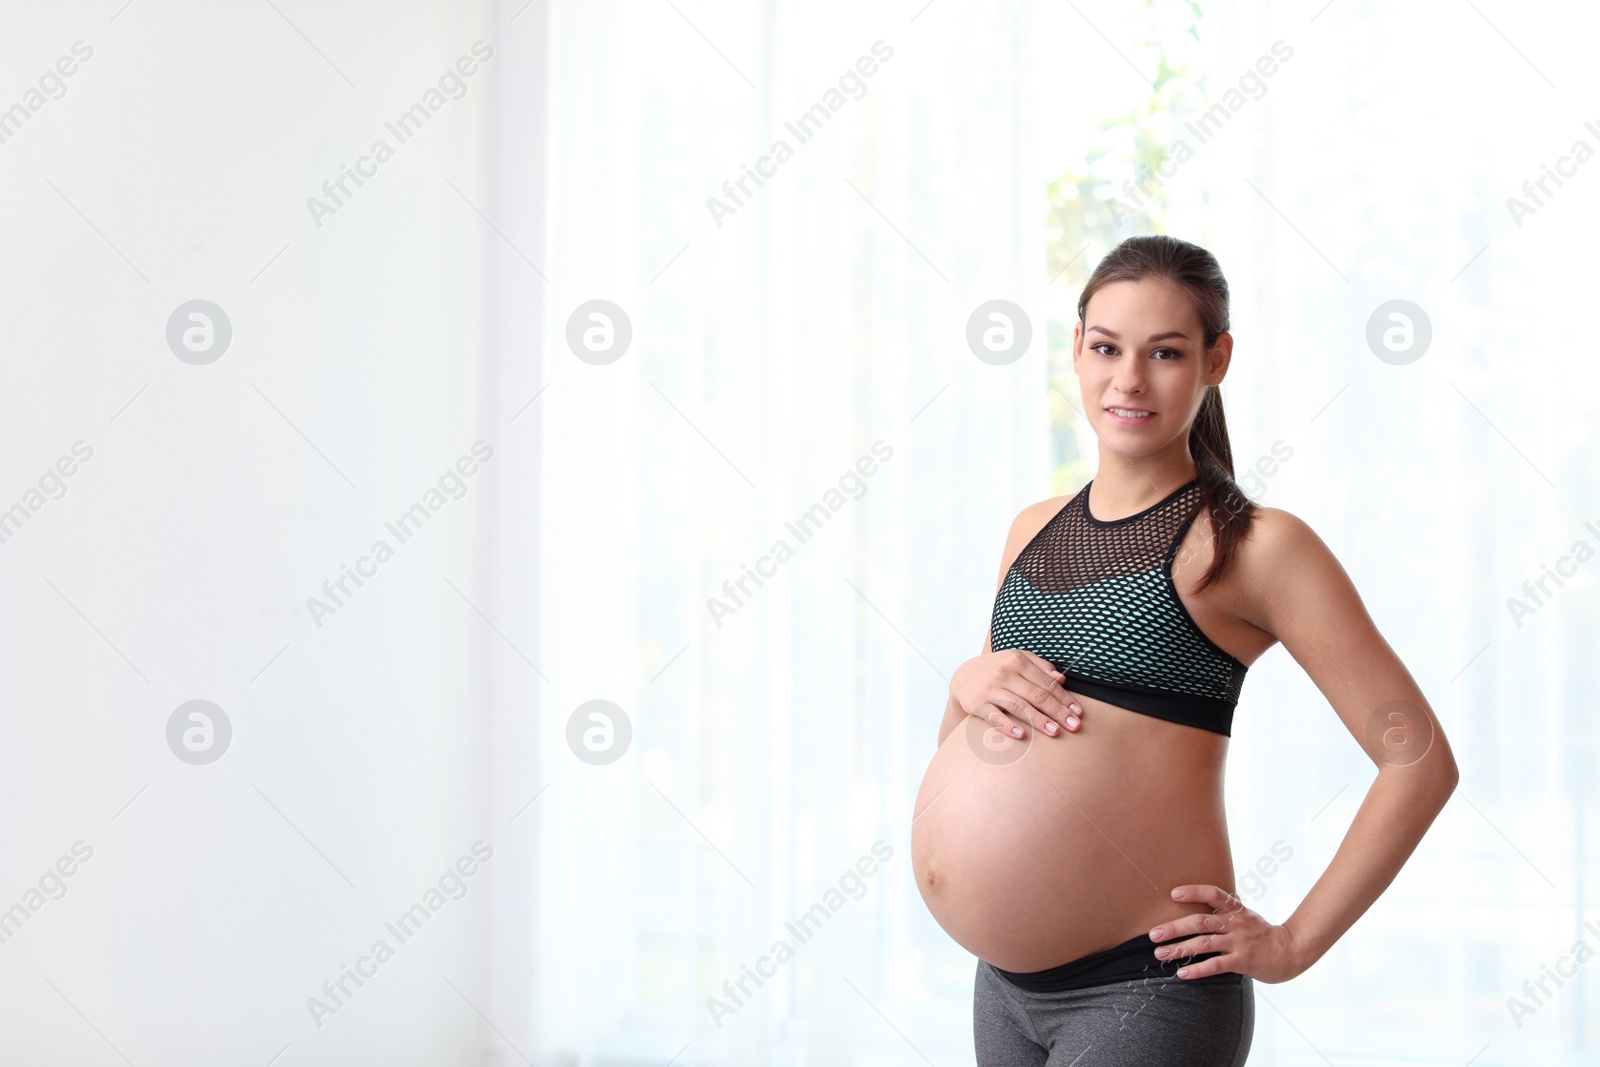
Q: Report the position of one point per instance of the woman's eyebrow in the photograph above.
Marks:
(1152, 339)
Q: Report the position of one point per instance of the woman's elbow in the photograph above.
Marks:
(1432, 778)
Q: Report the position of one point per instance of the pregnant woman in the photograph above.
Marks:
(1070, 830)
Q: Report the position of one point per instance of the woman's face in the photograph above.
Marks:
(1141, 362)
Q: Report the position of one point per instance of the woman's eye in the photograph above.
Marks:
(1170, 353)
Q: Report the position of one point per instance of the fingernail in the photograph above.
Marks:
(1016, 731)
(1155, 935)
(1183, 972)
(1050, 727)
(1072, 721)
(1075, 707)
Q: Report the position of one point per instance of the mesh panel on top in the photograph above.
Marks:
(1096, 598)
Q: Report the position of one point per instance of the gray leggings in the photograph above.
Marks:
(1202, 1022)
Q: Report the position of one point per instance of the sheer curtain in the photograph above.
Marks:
(798, 373)
(769, 523)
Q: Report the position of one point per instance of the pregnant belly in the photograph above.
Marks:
(1031, 854)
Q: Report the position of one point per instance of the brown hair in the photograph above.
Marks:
(1198, 273)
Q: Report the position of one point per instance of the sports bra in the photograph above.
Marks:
(1097, 600)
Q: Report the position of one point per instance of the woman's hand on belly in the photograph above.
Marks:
(1012, 687)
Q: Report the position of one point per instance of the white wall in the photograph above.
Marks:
(368, 752)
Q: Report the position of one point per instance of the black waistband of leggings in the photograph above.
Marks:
(1134, 958)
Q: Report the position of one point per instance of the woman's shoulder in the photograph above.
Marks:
(1277, 529)
(1033, 518)
(1279, 540)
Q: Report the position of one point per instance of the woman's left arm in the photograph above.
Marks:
(1292, 586)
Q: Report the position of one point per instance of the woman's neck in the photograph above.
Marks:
(1123, 487)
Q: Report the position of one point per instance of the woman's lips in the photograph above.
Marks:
(1134, 421)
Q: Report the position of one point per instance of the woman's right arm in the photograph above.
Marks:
(1013, 687)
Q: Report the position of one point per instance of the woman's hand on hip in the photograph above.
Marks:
(1250, 945)
(1013, 687)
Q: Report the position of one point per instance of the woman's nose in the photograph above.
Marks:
(1130, 382)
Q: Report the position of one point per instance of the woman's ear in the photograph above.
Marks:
(1218, 357)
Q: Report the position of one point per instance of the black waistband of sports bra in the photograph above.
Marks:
(1134, 958)
(1207, 713)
